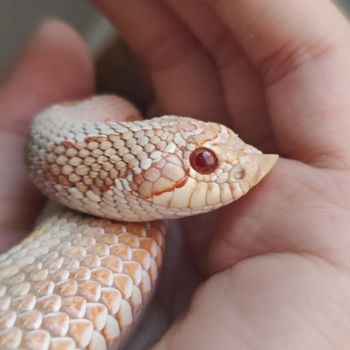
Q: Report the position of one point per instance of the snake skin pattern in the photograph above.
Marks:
(81, 280)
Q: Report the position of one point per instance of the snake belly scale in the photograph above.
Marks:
(82, 278)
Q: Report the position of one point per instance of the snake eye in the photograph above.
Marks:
(203, 160)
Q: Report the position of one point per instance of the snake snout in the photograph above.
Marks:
(266, 162)
(252, 167)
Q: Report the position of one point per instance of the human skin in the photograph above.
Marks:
(276, 263)
(275, 266)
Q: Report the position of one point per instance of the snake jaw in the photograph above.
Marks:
(163, 176)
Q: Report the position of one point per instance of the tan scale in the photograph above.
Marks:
(83, 277)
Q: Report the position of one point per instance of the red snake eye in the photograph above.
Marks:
(203, 160)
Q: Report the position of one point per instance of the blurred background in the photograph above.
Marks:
(117, 71)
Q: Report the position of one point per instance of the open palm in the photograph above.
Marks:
(278, 72)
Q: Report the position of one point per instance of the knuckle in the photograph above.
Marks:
(167, 51)
(290, 57)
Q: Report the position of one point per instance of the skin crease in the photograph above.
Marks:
(275, 270)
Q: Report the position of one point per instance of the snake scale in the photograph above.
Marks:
(86, 272)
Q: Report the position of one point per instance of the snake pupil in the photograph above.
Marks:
(203, 160)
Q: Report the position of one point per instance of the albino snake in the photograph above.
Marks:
(80, 281)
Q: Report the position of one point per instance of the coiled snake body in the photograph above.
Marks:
(81, 279)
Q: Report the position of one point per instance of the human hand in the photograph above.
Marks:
(55, 66)
(277, 262)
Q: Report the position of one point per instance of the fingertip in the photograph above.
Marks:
(64, 39)
(55, 65)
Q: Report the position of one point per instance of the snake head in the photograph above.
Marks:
(204, 167)
(140, 170)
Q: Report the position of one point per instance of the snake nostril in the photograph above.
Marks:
(239, 174)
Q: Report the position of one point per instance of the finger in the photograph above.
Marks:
(54, 67)
(278, 301)
(241, 83)
(302, 51)
(182, 74)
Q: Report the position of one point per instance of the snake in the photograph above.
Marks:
(83, 277)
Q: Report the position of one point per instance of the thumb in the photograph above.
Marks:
(54, 66)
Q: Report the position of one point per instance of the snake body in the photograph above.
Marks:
(84, 275)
